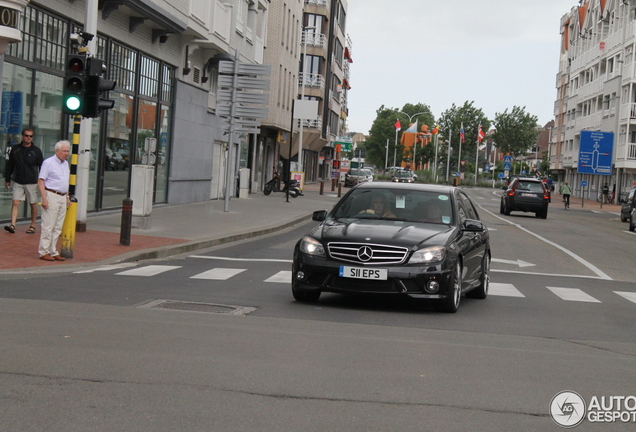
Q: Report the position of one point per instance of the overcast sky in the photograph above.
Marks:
(497, 53)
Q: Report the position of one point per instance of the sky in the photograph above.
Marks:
(497, 53)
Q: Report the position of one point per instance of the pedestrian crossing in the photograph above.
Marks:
(496, 289)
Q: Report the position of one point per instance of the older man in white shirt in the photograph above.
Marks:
(53, 185)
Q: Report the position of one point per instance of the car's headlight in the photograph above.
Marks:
(428, 255)
(311, 246)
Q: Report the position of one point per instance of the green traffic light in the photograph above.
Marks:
(73, 103)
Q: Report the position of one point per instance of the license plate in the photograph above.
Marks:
(529, 195)
(363, 273)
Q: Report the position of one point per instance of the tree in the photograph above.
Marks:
(383, 131)
(450, 122)
(516, 132)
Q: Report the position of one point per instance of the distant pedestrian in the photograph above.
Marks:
(606, 193)
(21, 174)
(53, 185)
(550, 184)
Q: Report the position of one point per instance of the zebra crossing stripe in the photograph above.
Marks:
(281, 277)
(218, 274)
(151, 270)
(504, 289)
(573, 294)
(628, 295)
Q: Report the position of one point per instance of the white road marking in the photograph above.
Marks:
(628, 295)
(518, 262)
(573, 294)
(151, 270)
(504, 289)
(218, 274)
(284, 276)
(107, 268)
(587, 264)
(240, 259)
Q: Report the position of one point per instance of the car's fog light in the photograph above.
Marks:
(300, 275)
(432, 286)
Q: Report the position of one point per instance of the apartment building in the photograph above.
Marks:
(596, 91)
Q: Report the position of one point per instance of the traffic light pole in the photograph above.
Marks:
(70, 221)
(86, 128)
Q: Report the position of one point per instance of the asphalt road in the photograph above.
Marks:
(85, 352)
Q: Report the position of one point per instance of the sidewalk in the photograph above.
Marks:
(173, 229)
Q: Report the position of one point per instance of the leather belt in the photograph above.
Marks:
(55, 192)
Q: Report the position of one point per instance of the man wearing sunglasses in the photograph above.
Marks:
(22, 172)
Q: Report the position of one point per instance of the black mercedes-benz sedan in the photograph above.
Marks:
(418, 240)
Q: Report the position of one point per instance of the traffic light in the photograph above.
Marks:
(95, 86)
(74, 84)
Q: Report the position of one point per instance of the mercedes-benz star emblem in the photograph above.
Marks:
(365, 253)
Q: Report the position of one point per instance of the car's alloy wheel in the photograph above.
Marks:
(481, 292)
(451, 303)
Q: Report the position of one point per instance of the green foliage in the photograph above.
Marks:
(516, 131)
(450, 122)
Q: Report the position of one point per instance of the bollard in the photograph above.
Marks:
(339, 189)
(333, 185)
(322, 187)
(126, 222)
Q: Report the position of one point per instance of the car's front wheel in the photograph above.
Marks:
(481, 292)
(451, 303)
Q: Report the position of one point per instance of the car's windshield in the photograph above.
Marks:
(403, 174)
(396, 204)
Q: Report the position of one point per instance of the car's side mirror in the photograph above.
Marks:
(319, 215)
(473, 225)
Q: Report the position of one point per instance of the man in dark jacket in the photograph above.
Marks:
(22, 172)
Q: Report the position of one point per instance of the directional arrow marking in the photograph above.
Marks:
(519, 263)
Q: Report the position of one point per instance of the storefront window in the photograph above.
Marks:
(118, 153)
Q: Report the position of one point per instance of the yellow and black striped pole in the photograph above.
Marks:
(70, 221)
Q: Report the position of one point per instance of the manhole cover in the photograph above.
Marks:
(186, 306)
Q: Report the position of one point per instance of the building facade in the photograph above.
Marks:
(596, 91)
(164, 56)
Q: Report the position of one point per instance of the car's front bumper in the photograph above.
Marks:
(322, 274)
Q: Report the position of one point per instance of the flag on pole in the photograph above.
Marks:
(461, 134)
(412, 128)
(435, 130)
(397, 125)
(480, 135)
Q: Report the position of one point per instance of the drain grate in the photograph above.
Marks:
(209, 308)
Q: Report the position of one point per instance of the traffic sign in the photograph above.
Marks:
(584, 183)
(507, 159)
(507, 166)
(595, 152)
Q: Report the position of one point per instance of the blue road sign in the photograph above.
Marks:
(595, 152)
(507, 159)
(500, 175)
(584, 183)
(507, 166)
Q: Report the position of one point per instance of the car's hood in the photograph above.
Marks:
(406, 234)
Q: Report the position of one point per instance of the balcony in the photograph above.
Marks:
(628, 111)
(311, 80)
(315, 40)
(322, 3)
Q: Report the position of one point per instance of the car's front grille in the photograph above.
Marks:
(366, 253)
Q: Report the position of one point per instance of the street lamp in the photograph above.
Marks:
(302, 97)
